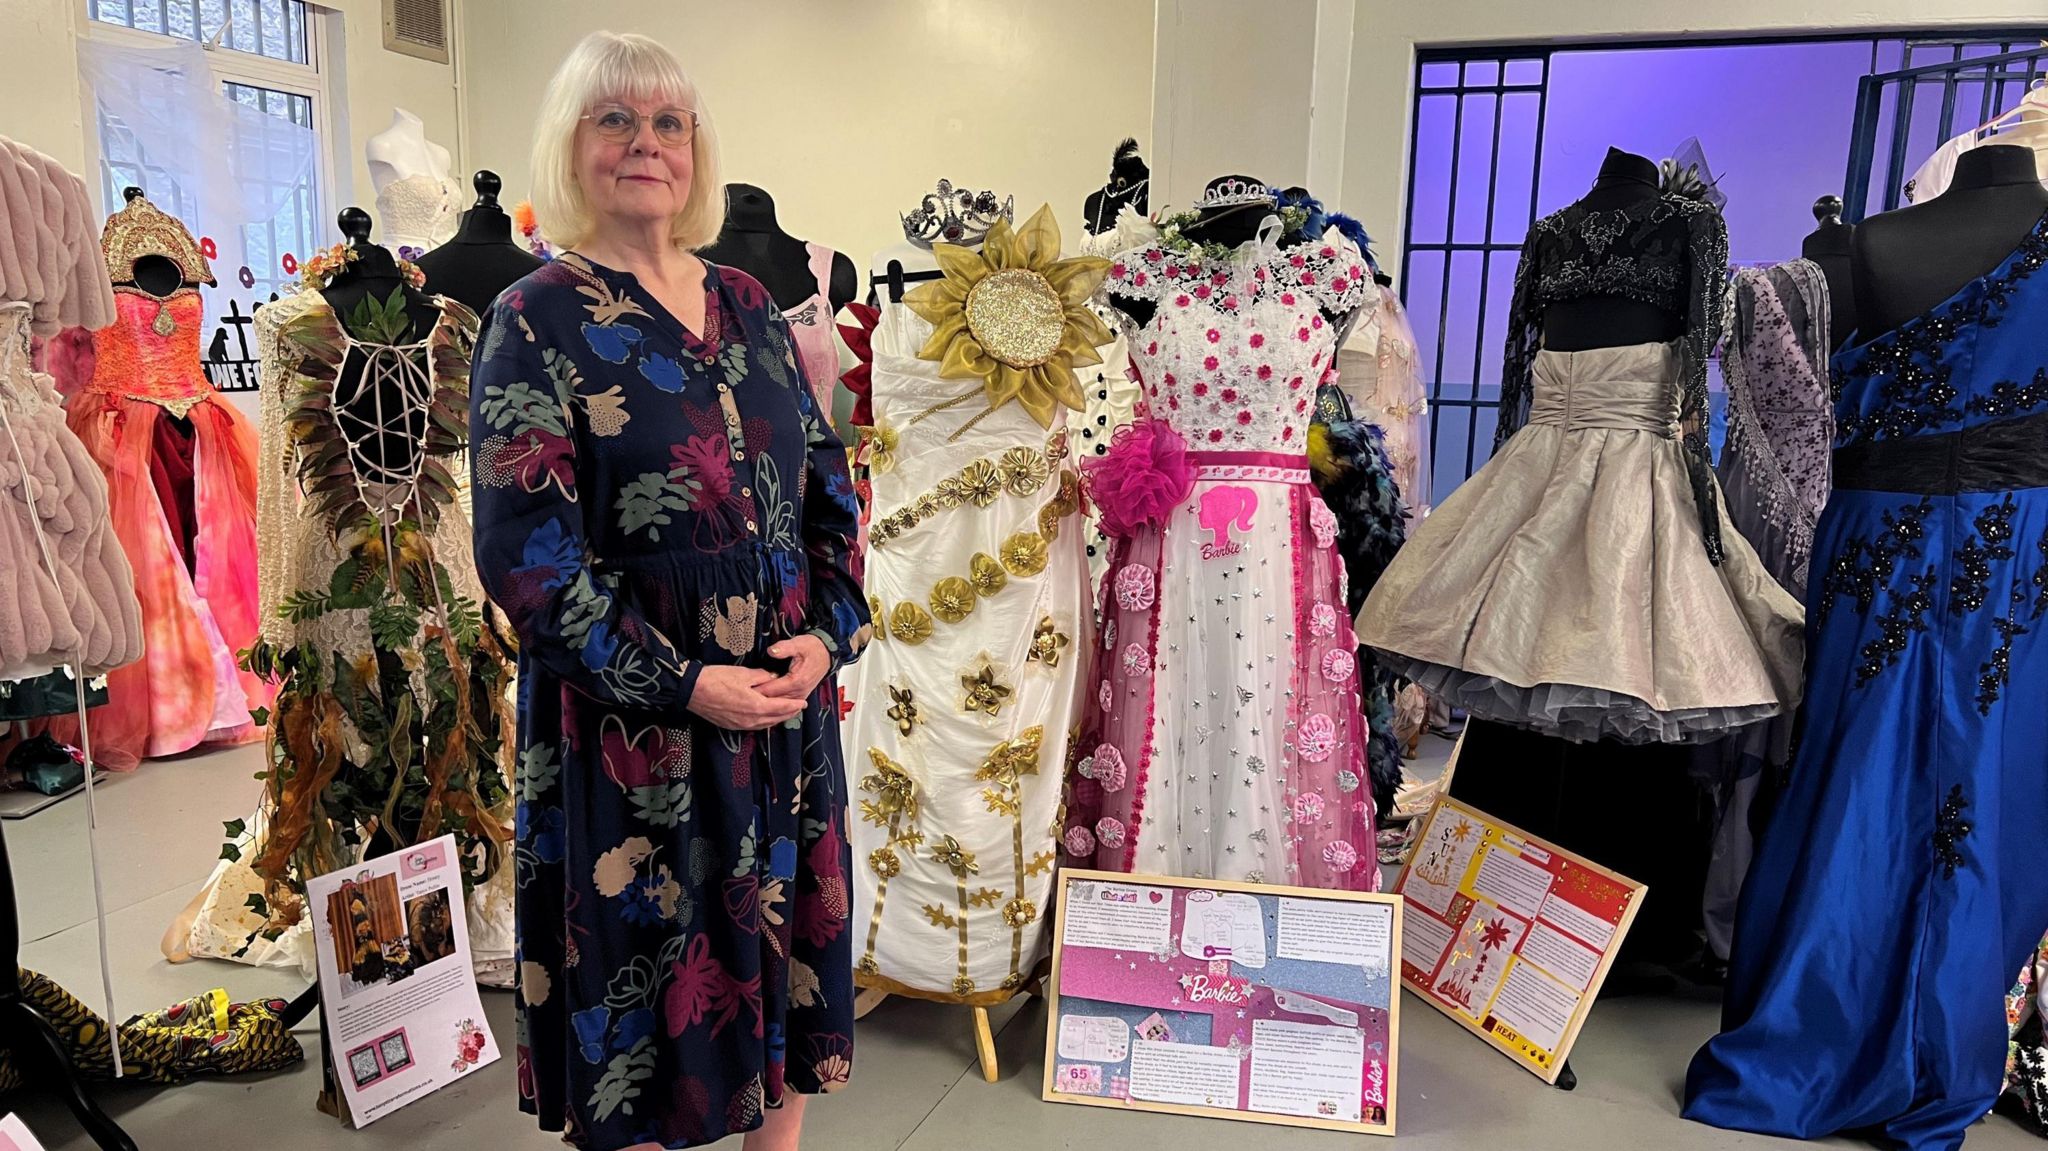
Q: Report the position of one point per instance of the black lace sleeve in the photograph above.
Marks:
(1525, 336)
(1706, 295)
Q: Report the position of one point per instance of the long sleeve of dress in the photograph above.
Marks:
(1706, 296)
(1525, 337)
(838, 613)
(532, 553)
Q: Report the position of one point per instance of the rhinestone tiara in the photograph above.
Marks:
(1231, 193)
(956, 216)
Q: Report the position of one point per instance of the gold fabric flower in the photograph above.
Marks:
(894, 791)
(987, 576)
(1024, 554)
(904, 711)
(1047, 643)
(983, 693)
(884, 863)
(1024, 470)
(911, 623)
(979, 483)
(952, 599)
(1019, 913)
(949, 852)
(882, 442)
(1015, 316)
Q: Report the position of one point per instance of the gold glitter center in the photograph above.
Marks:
(1017, 317)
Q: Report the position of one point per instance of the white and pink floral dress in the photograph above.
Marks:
(1223, 736)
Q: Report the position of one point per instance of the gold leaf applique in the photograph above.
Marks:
(881, 620)
(986, 897)
(940, 917)
(1041, 863)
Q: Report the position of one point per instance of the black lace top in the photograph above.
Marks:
(1666, 251)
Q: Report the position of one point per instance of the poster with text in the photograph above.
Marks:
(1508, 935)
(403, 1015)
(1228, 1000)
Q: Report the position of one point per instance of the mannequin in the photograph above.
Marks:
(416, 197)
(374, 276)
(1633, 808)
(483, 259)
(1129, 186)
(1829, 246)
(1907, 261)
(754, 242)
(1608, 321)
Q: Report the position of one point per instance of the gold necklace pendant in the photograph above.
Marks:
(164, 325)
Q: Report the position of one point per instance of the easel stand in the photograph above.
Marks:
(870, 998)
(37, 1052)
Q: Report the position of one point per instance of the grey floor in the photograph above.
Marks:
(915, 1085)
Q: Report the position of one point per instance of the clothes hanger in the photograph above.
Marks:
(2035, 102)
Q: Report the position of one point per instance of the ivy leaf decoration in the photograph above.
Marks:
(236, 828)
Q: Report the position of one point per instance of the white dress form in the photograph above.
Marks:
(418, 200)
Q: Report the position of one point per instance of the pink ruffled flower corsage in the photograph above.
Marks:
(1142, 476)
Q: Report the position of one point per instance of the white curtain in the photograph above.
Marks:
(227, 164)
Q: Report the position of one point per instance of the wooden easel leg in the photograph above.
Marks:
(985, 1044)
(867, 1000)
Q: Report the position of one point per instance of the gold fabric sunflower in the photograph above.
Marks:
(1015, 316)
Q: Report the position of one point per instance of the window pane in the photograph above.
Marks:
(1525, 72)
(1442, 75)
(272, 28)
(1482, 73)
(291, 231)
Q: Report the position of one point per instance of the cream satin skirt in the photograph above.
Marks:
(1566, 588)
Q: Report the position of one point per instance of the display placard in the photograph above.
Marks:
(1226, 1000)
(403, 1015)
(1508, 935)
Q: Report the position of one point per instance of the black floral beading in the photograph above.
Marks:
(1865, 565)
(1971, 585)
(1949, 831)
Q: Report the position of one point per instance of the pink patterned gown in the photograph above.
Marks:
(1224, 737)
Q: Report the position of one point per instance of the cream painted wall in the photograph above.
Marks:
(847, 113)
(41, 103)
(1387, 33)
(1231, 93)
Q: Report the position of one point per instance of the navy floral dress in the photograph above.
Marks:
(649, 501)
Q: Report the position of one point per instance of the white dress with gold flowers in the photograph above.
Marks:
(978, 579)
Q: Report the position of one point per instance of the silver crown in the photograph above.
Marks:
(1231, 193)
(956, 216)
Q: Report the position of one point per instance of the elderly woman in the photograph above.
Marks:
(666, 519)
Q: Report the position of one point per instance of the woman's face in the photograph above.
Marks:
(631, 181)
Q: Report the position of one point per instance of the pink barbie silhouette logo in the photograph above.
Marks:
(1224, 508)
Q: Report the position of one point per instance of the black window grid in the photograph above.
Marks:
(1978, 80)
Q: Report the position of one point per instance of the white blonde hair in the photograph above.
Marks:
(630, 67)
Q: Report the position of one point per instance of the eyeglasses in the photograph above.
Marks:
(674, 127)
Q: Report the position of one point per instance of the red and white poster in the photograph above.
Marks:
(1509, 935)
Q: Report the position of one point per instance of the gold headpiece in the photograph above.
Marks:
(142, 229)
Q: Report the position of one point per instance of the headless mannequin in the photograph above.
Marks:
(1910, 260)
(1128, 187)
(1606, 321)
(403, 151)
(754, 242)
(374, 275)
(483, 259)
(1633, 808)
(1231, 226)
(1829, 246)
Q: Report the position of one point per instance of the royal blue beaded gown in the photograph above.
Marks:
(1900, 885)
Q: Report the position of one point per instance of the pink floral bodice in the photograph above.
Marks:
(1232, 355)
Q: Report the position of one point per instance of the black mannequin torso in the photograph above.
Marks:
(374, 275)
(1231, 226)
(754, 242)
(482, 259)
(1908, 261)
(1128, 187)
(1610, 321)
(1829, 246)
